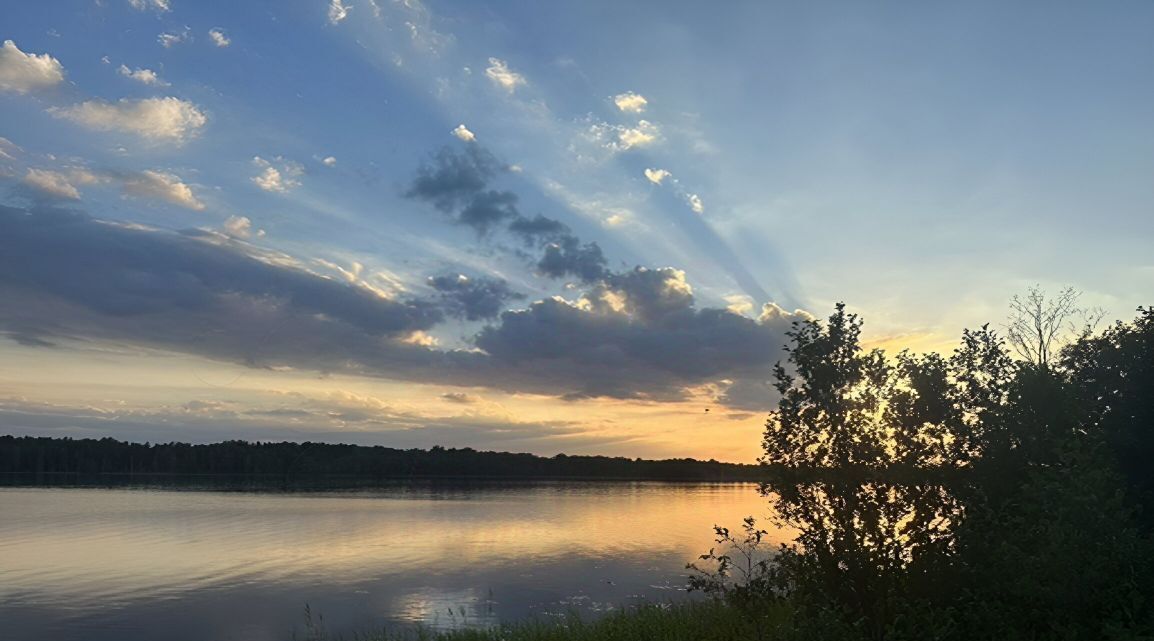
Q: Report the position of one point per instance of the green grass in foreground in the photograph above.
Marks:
(697, 621)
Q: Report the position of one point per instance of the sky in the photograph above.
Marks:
(579, 227)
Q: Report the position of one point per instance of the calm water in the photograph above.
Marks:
(138, 564)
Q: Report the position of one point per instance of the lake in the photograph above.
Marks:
(146, 564)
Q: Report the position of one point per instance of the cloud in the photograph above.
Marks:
(630, 102)
(169, 120)
(278, 175)
(66, 274)
(8, 149)
(473, 298)
(695, 203)
(329, 161)
(158, 5)
(169, 40)
(462, 132)
(219, 37)
(639, 334)
(499, 72)
(569, 256)
(161, 186)
(240, 227)
(655, 176)
(27, 72)
(143, 76)
(622, 137)
(461, 397)
(594, 349)
(51, 183)
(338, 11)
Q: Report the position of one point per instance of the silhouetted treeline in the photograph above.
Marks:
(1003, 492)
(40, 457)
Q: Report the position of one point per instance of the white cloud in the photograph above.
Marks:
(279, 174)
(329, 161)
(219, 38)
(52, 183)
(169, 40)
(159, 5)
(240, 227)
(500, 73)
(630, 102)
(463, 133)
(338, 11)
(695, 203)
(161, 186)
(655, 176)
(621, 137)
(26, 72)
(158, 119)
(143, 76)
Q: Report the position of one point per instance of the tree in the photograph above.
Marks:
(1039, 325)
(855, 454)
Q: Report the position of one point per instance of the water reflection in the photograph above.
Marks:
(135, 564)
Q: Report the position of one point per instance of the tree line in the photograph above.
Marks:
(29, 459)
(1005, 491)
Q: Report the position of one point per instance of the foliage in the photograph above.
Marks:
(37, 459)
(965, 497)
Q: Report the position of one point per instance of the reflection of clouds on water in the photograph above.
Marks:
(444, 609)
(447, 556)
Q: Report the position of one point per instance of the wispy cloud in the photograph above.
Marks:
(499, 72)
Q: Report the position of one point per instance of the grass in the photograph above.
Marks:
(694, 621)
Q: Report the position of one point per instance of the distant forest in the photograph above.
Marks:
(29, 459)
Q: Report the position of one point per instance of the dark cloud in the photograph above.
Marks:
(67, 277)
(597, 351)
(473, 298)
(117, 270)
(451, 179)
(568, 257)
(539, 228)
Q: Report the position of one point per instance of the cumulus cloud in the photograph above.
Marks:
(329, 161)
(462, 132)
(51, 183)
(338, 11)
(161, 186)
(499, 72)
(473, 298)
(143, 76)
(158, 5)
(655, 176)
(169, 120)
(27, 72)
(277, 175)
(219, 37)
(240, 227)
(630, 102)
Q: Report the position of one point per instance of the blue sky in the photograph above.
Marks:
(921, 162)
